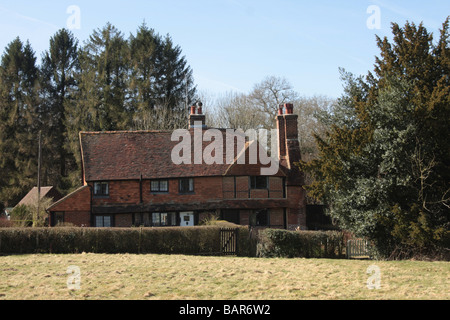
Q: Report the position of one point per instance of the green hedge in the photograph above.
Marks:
(189, 240)
(300, 244)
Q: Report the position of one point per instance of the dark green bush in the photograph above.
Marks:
(190, 240)
(300, 244)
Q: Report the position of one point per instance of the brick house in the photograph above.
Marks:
(129, 179)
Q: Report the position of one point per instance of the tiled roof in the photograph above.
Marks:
(126, 155)
(48, 192)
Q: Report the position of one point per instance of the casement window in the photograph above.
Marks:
(103, 221)
(164, 219)
(259, 218)
(259, 182)
(101, 189)
(59, 218)
(159, 186)
(142, 220)
(186, 185)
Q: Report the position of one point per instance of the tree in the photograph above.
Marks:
(100, 102)
(162, 84)
(59, 66)
(383, 164)
(103, 80)
(235, 110)
(269, 94)
(20, 121)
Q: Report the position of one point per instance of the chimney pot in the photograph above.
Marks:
(280, 110)
(289, 108)
(199, 107)
(193, 110)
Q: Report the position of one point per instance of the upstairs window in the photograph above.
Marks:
(101, 189)
(159, 186)
(259, 182)
(186, 185)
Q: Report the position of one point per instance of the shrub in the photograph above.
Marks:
(300, 244)
(189, 240)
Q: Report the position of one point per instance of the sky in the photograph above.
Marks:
(233, 44)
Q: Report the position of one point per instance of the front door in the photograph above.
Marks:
(187, 219)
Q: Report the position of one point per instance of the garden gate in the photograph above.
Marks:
(229, 241)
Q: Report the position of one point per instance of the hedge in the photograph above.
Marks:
(199, 240)
(300, 244)
(189, 240)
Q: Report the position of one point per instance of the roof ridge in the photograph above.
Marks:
(125, 131)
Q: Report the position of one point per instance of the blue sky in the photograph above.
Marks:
(233, 44)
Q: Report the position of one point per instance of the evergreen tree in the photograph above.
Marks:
(103, 79)
(100, 102)
(58, 69)
(20, 121)
(383, 167)
(161, 82)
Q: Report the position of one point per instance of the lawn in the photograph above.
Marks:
(178, 277)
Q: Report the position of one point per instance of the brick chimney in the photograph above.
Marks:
(288, 144)
(196, 116)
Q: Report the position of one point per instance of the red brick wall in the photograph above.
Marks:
(77, 206)
(80, 200)
(276, 217)
(128, 192)
(297, 205)
(123, 220)
(78, 218)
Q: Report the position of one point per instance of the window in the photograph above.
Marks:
(101, 189)
(59, 218)
(159, 186)
(186, 185)
(103, 221)
(164, 219)
(142, 219)
(259, 182)
(259, 218)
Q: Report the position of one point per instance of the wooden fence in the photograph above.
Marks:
(358, 248)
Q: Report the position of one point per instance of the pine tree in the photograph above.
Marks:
(59, 65)
(19, 121)
(161, 82)
(103, 79)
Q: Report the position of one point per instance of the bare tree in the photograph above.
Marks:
(269, 94)
(310, 111)
(160, 118)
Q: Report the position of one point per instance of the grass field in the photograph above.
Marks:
(177, 277)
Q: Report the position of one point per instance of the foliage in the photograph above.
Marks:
(108, 83)
(171, 240)
(20, 120)
(300, 244)
(383, 165)
(26, 215)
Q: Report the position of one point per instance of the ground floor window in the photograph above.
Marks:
(259, 218)
(155, 219)
(164, 219)
(58, 218)
(231, 216)
(103, 221)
